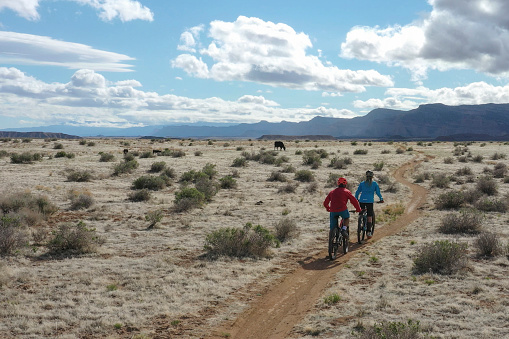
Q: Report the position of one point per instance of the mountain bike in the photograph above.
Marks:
(362, 225)
(336, 240)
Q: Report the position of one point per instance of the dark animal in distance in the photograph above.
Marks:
(126, 150)
(280, 145)
(156, 151)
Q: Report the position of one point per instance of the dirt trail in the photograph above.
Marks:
(275, 313)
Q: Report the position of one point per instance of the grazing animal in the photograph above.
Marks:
(126, 150)
(156, 151)
(280, 145)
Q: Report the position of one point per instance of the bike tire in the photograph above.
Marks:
(333, 243)
(373, 224)
(361, 229)
(346, 241)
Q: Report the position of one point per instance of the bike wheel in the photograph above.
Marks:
(333, 243)
(361, 229)
(346, 241)
(373, 224)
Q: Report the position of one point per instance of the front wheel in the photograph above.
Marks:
(333, 243)
(361, 229)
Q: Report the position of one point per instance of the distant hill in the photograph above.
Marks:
(296, 137)
(35, 135)
(491, 121)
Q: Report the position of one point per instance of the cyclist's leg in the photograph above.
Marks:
(369, 207)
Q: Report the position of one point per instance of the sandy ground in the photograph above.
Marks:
(165, 287)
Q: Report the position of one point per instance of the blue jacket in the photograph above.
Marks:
(367, 192)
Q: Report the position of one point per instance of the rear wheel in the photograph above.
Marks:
(333, 243)
(345, 242)
(373, 224)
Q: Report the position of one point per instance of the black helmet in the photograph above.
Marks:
(369, 174)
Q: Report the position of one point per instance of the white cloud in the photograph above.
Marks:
(90, 99)
(28, 49)
(468, 35)
(125, 10)
(476, 93)
(187, 39)
(24, 8)
(251, 49)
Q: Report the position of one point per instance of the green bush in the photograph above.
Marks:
(139, 195)
(228, 182)
(312, 158)
(440, 180)
(360, 151)
(106, 157)
(288, 188)
(304, 176)
(154, 217)
(188, 198)
(20, 203)
(450, 200)
(58, 146)
(441, 257)
(239, 162)
(469, 222)
(378, 166)
(79, 176)
(247, 242)
(157, 166)
(207, 186)
(487, 185)
(490, 204)
(125, 167)
(81, 201)
(169, 172)
(74, 238)
(25, 158)
(338, 163)
(277, 176)
(3, 154)
(154, 183)
(488, 245)
(464, 171)
(60, 154)
(209, 170)
(286, 229)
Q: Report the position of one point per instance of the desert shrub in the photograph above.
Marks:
(266, 157)
(178, 153)
(488, 245)
(286, 229)
(20, 203)
(378, 166)
(60, 154)
(288, 169)
(124, 167)
(106, 157)
(490, 204)
(498, 156)
(450, 200)
(312, 187)
(338, 163)
(288, 188)
(25, 158)
(198, 153)
(463, 159)
(154, 217)
(239, 162)
(304, 176)
(441, 257)
(157, 166)
(385, 151)
(500, 170)
(400, 150)
(449, 160)
(81, 201)
(146, 154)
(74, 238)
(228, 182)
(421, 177)
(466, 222)
(384, 179)
(140, 195)
(169, 172)
(188, 198)
(210, 170)
(207, 186)
(477, 158)
(464, 171)
(129, 156)
(79, 175)
(70, 155)
(83, 142)
(277, 176)
(3, 154)
(58, 146)
(12, 235)
(154, 183)
(390, 213)
(246, 242)
(392, 330)
(311, 158)
(360, 151)
(487, 185)
(440, 180)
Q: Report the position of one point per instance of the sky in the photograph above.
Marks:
(127, 63)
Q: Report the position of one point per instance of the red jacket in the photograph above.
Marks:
(337, 198)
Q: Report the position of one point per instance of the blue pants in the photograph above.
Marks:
(334, 217)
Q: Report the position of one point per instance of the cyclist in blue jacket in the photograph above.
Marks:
(367, 190)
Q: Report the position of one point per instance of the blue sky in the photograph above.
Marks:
(125, 63)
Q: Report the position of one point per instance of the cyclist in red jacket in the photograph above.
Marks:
(335, 203)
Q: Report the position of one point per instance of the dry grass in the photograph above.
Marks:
(139, 277)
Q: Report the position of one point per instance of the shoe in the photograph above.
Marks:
(370, 235)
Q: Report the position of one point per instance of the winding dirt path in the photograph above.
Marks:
(275, 313)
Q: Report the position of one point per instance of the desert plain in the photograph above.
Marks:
(157, 280)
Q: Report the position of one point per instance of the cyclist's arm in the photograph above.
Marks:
(355, 203)
(377, 191)
(358, 191)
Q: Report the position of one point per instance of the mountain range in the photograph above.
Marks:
(431, 121)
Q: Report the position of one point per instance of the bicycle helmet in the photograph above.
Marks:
(369, 174)
(342, 182)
